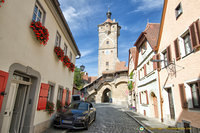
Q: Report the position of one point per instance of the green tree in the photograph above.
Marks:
(78, 78)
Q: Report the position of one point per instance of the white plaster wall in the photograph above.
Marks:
(18, 44)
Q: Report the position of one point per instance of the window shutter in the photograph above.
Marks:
(43, 96)
(193, 35)
(3, 82)
(140, 98)
(177, 49)
(183, 96)
(147, 97)
(158, 65)
(169, 57)
(198, 31)
(64, 97)
(139, 74)
(154, 63)
(145, 70)
(69, 98)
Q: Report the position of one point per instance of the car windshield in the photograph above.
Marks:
(79, 106)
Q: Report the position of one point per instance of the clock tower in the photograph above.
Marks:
(109, 32)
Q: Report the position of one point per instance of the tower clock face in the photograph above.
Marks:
(107, 52)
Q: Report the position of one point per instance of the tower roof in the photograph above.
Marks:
(108, 14)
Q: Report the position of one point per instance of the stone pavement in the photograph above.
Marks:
(109, 119)
(150, 124)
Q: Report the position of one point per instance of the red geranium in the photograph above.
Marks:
(2, 2)
(41, 32)
(66, 61)
(72, 67)
(59, 52)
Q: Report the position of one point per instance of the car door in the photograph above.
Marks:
(91, 111)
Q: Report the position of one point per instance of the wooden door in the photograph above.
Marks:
(3, 82)
(19, 110)
(155, 104)
(7, 115)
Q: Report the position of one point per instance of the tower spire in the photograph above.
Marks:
(108, 14)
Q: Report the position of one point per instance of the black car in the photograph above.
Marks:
(78, 115)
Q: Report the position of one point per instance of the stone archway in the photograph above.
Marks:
(106, 96)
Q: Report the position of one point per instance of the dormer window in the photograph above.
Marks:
(178, 10)
(107, 42)
(143, 47)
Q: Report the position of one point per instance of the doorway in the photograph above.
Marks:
(155, 104)
(16, 107)
(19, 109)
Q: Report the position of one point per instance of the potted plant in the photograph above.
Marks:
(72, 67)
(66, 61)
(59, 52)
(41, 32)
(50, 107)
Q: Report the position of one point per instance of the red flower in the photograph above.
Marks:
(41, 32)
(59, 53)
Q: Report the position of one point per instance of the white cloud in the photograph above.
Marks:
(86, 52)
(147, 5)
(79, 12)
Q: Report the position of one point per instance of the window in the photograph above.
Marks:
(50, 93)
(65, 49)
(107, 63)
(70, 56)
(195, 94)
(178, 10)
(38, 13)
(58, 39)
(60, 91)
(187, 44)
(107, 42)
(143, 47)
(165, 58)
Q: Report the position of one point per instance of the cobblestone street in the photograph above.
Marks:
(109, 119)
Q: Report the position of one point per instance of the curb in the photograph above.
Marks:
(140, 123)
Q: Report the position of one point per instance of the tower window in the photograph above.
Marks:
(178, 10)
(107, 42)
(107, 63)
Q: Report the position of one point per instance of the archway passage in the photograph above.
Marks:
(106, 96)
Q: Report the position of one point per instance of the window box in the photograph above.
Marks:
(2, 2)
(41, 32)
(66, 61)
(59, 52)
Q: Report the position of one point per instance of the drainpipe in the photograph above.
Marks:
(161, 98)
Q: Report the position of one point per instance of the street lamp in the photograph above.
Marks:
(82, 67)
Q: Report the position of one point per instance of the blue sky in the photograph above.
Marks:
(83, 16)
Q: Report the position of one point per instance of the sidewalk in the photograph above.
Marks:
(151, 125)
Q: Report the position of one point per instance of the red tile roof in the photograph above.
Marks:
(120, 66)
(151, 34)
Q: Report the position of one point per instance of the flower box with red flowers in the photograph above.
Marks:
(66, 61)
(59, 52)
(41, 32)
(72, 67)
(2, 1)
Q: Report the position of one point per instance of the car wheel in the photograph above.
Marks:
(87, 124)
